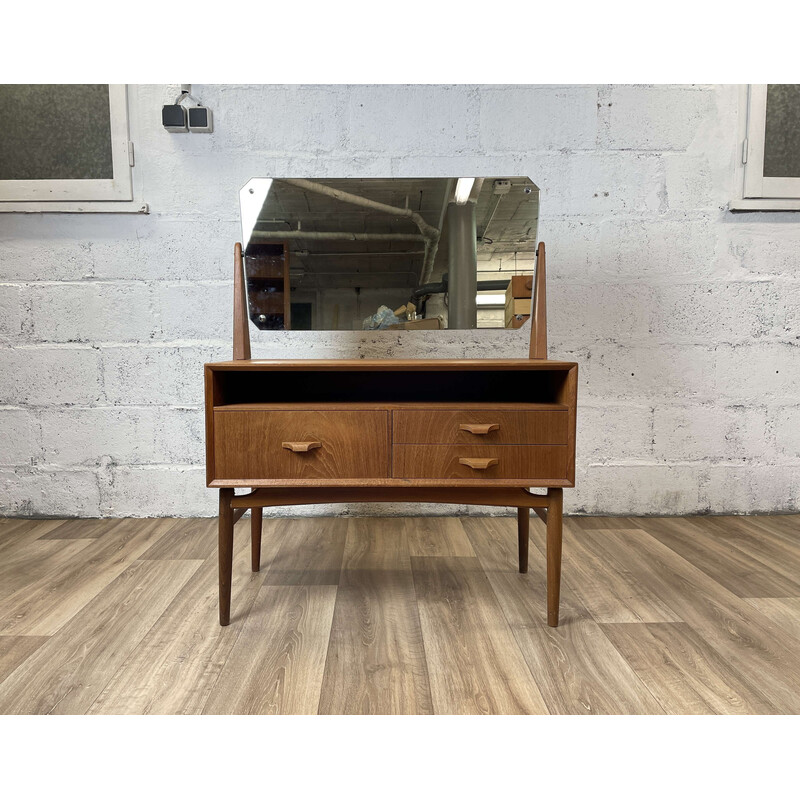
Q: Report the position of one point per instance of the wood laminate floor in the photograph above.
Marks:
(696, 615)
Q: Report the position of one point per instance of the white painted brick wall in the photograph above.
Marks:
(64, 491)
(658, 118)
(49, 375)
(424, 120)
(785, 423)
(685, 318)
(123, 434)
(10, 313)
(529, 118)
(18, 437)
(92, 311)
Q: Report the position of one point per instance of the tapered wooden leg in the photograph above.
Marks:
(255, 538)
(556, 497)
(523, 527)
(225, 554)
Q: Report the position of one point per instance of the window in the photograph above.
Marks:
(65, 147)
(769, 176)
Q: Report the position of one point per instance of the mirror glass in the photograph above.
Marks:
(389, 253)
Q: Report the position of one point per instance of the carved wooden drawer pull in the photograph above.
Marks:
(479, 429)
(479, 463)
(301, 447)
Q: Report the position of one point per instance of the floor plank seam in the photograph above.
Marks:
(425, 660)
(330, 632)
(328, 651)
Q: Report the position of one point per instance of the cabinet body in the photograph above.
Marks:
(446, 423)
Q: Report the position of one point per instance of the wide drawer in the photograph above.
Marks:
(271, 444)
(480, 427)
(480, 462)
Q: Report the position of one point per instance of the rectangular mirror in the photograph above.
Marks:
(389, 253)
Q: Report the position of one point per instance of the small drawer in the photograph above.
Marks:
(543, 462)
(480, 427)
(292, 445)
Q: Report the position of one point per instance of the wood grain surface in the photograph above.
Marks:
(513, 427)
(81, 529)
(17, 649)
(376, 659)
(577, 668)
(309, 553)
(513, 461)
(277, 663)
(40, 560)
(70, 670)
(178, 662)
(352, 444)
(437, 536)
(412, 615)
(783, 611)
(43, 606)
(745, 638)
(474, 663)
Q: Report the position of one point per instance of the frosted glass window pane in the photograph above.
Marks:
(55, 132)
(782, 136)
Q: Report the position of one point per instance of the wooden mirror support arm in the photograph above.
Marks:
(241, 320)
(538, 348)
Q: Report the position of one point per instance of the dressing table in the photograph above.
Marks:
(477, 432)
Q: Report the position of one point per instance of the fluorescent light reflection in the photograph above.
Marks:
(491, 299)
(463, 189)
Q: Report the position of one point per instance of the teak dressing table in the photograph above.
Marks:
(478, 432)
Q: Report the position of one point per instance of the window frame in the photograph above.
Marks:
(90, 195)
(754, 192)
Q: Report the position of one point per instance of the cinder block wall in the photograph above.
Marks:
(683, 316)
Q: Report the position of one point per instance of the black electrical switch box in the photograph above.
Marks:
(173, 118)
(200, 119)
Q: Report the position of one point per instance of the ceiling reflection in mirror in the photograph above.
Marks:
(389, 253)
